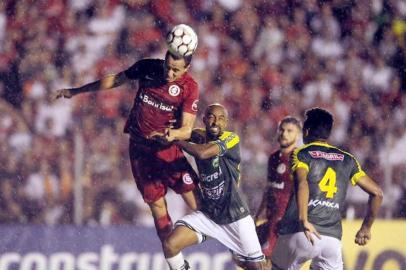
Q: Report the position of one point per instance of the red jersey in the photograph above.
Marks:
(159, 104)
(280, 188)
(280, 184)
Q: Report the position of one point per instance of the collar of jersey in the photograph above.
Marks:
(319, 143)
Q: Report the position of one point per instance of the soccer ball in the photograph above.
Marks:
(182, 40)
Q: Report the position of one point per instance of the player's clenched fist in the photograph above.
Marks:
(363, 236)
(66, 93)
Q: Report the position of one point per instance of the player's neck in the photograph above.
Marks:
(287, 150)
(319, 141)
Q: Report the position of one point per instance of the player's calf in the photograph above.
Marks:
(163, 226)
(171, 247)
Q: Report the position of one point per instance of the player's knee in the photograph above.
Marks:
(256, 265)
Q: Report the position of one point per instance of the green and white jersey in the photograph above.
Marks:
(330, 169)
(218, 179)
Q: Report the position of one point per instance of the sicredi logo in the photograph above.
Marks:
(211, 177)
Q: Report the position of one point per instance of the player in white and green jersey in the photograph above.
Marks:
(311, 227)
(223, 214)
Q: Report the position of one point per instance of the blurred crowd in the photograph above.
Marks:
(262, 59)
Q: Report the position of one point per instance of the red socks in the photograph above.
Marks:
(163, 226)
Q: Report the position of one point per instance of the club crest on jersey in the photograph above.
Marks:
(187, 179)
(281, 168)
(194, 105)
(174, 90)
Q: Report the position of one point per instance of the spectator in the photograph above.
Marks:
(262, 59)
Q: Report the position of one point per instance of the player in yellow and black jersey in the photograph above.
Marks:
(223, 214)
(311, 228)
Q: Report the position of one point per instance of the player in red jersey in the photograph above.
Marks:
(279, 184)
(165, 103)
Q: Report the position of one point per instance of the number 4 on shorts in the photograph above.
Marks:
(328, 183)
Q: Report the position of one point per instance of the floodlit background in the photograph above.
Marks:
(66, 162)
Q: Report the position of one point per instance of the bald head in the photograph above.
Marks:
(215, 118)
(216, 107)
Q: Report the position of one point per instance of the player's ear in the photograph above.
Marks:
(305, 132)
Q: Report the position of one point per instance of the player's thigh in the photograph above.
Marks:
(241, 238)
(247, 236)
(145, 174)
(180, 238)
(330, 257)
(190, 199)
(180, 176)
(292, 251)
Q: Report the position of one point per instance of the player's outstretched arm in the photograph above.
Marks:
(200, 151)
(107, 82)
(185, 131)
(170, 135)
(374, 203)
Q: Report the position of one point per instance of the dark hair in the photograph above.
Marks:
(319, 123)
(187, 59)
(291, 120)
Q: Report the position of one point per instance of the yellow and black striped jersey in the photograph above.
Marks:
(219, 177)
(330, 170)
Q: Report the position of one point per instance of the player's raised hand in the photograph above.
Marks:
(309, 231)
(363, 236)
(66, 93)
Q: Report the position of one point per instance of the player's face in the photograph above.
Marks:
(288, 134)
(215, 120)
(174, 69)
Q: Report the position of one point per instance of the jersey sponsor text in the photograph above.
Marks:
(328, 156)
(315, 203)
(214, 193)
(211, 177)
(157, 104)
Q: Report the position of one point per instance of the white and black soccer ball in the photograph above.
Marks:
(182, 40)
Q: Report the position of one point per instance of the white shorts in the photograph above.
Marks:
(293, 250)
(240, 236)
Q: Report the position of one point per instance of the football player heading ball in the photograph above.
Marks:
(165, 105)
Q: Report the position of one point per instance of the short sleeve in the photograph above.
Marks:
(226, 143)
(356, 171)
(299, 160)
(191, 97)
